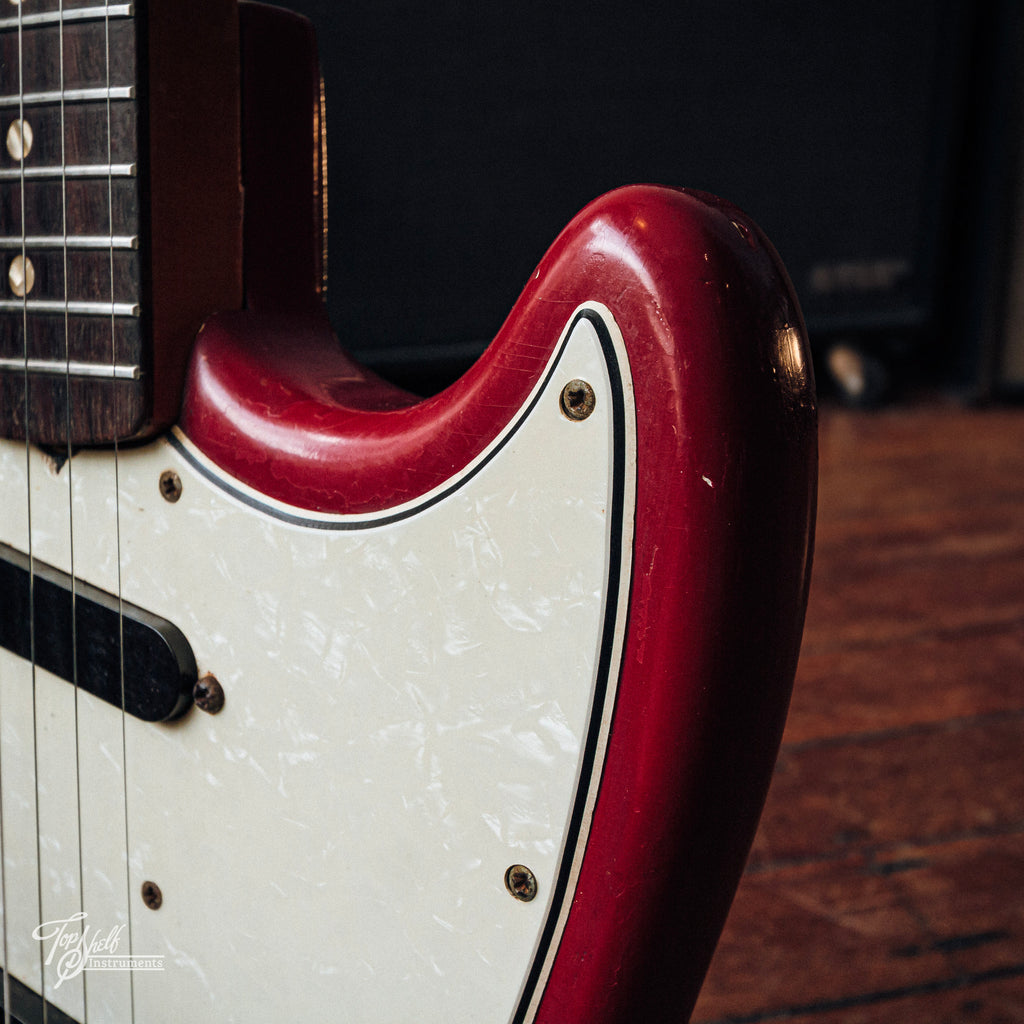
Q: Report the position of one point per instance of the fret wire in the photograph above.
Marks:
(79, 14)
(74, 308)
(74, 368)
(71, 242)
(100, 93)
(72, 171)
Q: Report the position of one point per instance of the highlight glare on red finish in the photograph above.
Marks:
(726, 470)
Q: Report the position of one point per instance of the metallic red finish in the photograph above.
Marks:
(276, 402)
(726, 471)
(726, 484)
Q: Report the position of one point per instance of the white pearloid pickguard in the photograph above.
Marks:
(415, 701)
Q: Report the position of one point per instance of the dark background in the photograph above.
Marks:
(868, 139)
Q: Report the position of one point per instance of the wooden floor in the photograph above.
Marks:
(886, 883)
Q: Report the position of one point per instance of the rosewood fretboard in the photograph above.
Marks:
(120, 213)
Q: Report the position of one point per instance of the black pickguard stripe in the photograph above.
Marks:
(590, 771)
(368, 523)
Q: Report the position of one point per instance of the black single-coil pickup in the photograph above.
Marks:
(27, 1006)
(114, 650)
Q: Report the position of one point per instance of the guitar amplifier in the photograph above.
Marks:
(462, 137)
(993, 361)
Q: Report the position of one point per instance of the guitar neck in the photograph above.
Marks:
(120, 209)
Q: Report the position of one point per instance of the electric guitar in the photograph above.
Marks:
(322, 701)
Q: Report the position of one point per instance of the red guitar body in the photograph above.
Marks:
(682, 458)
(726, 461)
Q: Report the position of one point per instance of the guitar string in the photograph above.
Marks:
(28, 501)
(116, 403)
(27, 390)
(69, 463)
(33, 638)
(28, 484)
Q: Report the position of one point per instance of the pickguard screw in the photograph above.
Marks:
(170, 485)
(208, 695)
(152, 896)
(577, 399)
(521, 882)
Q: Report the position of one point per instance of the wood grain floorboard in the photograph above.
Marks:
(886, 882)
